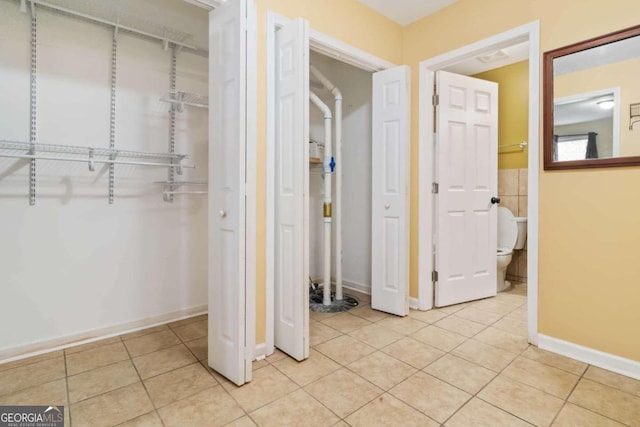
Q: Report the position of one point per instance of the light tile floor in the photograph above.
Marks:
(465, 365)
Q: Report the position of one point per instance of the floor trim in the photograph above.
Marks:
(260, 351)
(46, 346)
(355, 286)
(610, 362)
(413, 303)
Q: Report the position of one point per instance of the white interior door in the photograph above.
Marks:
(467, 175)
(390, 191)
(291, 270)
(229, 352)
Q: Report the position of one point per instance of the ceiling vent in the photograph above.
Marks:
(493, 56)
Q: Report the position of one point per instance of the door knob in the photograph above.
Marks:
(387, 206)
(495, 200)
(223, 214)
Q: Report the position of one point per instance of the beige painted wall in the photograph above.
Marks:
(346, 20)
(589, 227)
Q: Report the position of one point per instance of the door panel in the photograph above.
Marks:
(227, 145)
(390, 191)
(466, 221)
(291, 331)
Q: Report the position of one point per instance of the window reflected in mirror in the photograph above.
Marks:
(586, 125)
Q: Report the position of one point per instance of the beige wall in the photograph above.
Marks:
(346, 20)
(589, 227)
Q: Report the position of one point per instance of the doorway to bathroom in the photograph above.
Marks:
(517, 181)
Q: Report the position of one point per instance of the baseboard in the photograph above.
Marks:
(260, 351)
(85, 337)
(355, 286)
(610, 362)
(413, 303)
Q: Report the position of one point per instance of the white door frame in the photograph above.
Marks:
(328, 46)
(528, 32)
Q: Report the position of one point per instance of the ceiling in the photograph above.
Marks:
(582, 110)
(491, 59)
(609, 53)
(404, 12)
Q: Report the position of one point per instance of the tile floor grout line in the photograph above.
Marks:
(143, 385)
(102, 393)
(66, 382)
(475, 395)
(93, 348)
(145, 334)
(2, 371)
(342, 366)
(569, 395)
(302, 387)
(550, 365)
(30, 387)
(383, 390)
(501, 372)
(96, 368)
(566, 400)
(209, 371)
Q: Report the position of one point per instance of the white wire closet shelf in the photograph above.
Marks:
(120, 14)
(180, 99)
(90, 155)
(177, 188)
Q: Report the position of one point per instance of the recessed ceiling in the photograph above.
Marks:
(404, 12)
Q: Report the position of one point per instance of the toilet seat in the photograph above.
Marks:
(504, 251)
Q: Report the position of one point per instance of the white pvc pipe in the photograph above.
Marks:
(326, 297)
(338, 171)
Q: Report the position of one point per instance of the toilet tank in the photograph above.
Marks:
(522, 232)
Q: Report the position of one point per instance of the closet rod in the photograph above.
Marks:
(93, 160)
(115, 25)
(185, 192)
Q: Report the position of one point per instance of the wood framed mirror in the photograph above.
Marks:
(592, 102)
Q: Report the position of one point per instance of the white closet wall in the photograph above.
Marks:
(355, 85)
(72, 263)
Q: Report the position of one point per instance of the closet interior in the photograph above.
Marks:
(340, 178)
(103, 165)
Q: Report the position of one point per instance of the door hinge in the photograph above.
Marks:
(434, 276)
(435, 188)
(435, 100)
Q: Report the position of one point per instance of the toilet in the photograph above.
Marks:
(512, 235)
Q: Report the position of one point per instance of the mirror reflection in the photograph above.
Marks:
(595, 86)
(586, 126)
